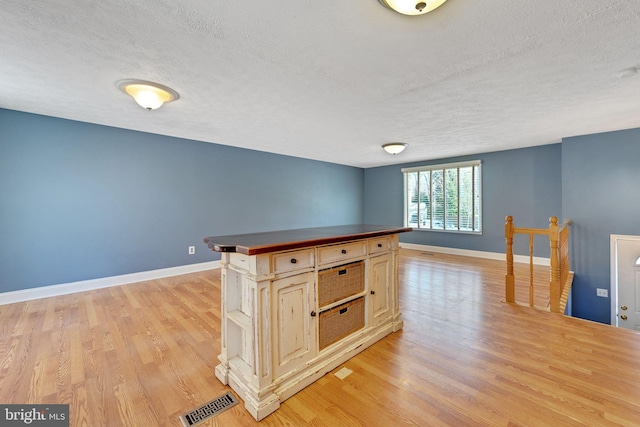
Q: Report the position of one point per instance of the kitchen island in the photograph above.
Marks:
(298, 303)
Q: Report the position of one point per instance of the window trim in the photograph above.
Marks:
(443, 167)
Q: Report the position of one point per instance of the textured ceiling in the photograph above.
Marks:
(332, 80)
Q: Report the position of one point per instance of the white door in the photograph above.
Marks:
(627, 267)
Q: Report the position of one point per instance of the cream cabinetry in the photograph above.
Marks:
(281, 332)
(294, 322)
(380, 300)
(341, 253)
(293, 261)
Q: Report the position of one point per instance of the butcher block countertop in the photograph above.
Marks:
(273, 241)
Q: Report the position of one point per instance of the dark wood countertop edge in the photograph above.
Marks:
(283, 246)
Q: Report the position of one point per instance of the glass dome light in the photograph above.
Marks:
(412, 7)
(148, 95)
(395, 147)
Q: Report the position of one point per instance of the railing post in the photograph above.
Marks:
(510, 293)
(554, 280)
(530, 269)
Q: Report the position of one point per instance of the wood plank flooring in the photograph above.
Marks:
(143, 354)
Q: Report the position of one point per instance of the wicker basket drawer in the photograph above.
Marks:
(341, 321)
(340, 282)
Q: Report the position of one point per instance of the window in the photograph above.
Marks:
(444, 197)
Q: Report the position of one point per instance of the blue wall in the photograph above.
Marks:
(524, 183)
(590, 179)
(82, 201)
(601, 194)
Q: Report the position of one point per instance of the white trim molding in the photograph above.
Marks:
(475, 254)
(103, 282)
(442, 166)
(613, 271)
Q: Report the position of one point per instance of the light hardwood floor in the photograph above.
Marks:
(143, 354)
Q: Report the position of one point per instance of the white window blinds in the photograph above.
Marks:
(446, 197)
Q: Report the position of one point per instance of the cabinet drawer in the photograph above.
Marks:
(294, 260)
(343, 251)
(379, 244)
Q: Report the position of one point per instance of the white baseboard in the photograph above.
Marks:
(475, 254)
(103, 282)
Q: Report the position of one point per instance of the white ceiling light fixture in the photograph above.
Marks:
(148, 95)
(412, 7)
(394, 147)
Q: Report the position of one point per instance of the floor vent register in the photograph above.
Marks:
(209, 410)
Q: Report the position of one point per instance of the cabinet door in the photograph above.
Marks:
(379, 281)
(294, 322)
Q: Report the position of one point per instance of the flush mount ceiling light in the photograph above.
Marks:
(412, 7)
(394, 147)
(148, 95)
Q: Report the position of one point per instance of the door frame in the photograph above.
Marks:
(613, 294)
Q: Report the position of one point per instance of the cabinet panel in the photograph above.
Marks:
(294, 332)
(380, 280)
(255, 265)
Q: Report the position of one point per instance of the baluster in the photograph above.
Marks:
(554, 280)
(509, 279)
(530, 269)
(563, 248)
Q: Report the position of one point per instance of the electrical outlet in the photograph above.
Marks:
(604, 293)
(192, 250)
